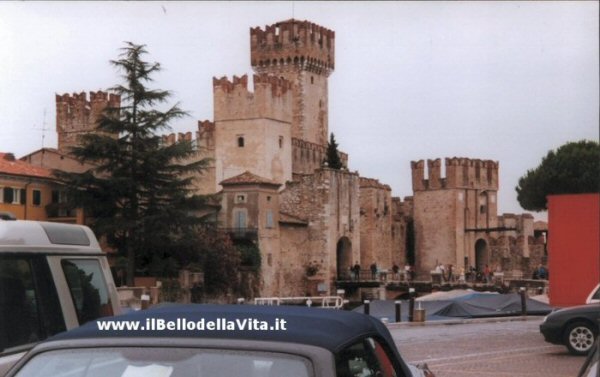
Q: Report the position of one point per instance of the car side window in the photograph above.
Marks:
(366, 358)
(88, 289)
(29, 306)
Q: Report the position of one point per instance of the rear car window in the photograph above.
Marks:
(29, 306)
(164, 362)
(88, 289)
(366, 358)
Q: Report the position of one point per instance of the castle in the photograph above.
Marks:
(268, 144)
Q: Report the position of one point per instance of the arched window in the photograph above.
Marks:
(240, 141)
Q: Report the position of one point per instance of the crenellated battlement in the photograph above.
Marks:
(271, 98)
(173, 138)
(307, 156)
(460, 173)
(76, 115)
(373, 183)
(301, 44)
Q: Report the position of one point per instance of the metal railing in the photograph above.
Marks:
(327, 302)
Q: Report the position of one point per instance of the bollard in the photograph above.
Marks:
(145, 301)
(411, 304)
(398, 310)
(523, 292)
(367, 307)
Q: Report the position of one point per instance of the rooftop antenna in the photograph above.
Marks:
(43, 129)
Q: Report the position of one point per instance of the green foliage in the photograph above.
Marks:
(571, 169)
(333, 156)
(250, 256)
(221, 262)
(139, 191)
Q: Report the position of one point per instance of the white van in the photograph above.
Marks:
(53, 277)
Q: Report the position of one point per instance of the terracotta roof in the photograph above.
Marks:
(248, 178)
(10, 165)
(291, 219)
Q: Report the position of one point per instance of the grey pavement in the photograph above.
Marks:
(492, 347)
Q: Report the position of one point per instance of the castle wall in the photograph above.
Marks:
(402, 213)
(203, 145)
(328, 200)
(296, 254)
(376, 224)
(76, 116)
(307, 156)
(436, 222)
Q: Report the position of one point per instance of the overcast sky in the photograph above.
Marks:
(506, 81)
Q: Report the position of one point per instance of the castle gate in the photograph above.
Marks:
(344, 258)
(481, 254)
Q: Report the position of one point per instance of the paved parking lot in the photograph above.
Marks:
(492, 349)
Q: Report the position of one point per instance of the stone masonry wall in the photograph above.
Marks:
(375, 224)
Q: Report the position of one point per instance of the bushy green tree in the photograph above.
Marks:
(139, 190)
(333, 156)
(571, 169)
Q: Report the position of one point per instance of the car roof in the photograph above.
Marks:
(47, 237)
(326, 328)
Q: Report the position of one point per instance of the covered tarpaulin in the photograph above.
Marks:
(468, 305)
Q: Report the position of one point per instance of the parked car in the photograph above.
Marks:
(575, 327)
(53, 277)
(224, 341)
(594, 295)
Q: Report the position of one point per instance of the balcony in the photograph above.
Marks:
(242, 234)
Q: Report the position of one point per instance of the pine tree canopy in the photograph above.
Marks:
(571, 169)
(333, 156)
(139, 192)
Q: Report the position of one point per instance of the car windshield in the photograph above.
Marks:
(164, 362)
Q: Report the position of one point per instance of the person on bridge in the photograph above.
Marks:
(374, 271)
(356, 270)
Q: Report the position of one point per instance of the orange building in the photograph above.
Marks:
(31, 193)
(573, 247)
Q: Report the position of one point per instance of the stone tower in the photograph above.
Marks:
(253, 128)
(455, 214)
(76, 116)
(302, 53)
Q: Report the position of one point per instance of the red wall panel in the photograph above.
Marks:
(573, 247)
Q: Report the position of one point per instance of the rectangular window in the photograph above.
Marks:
(240, 198)
(269, 219)
(29, 307)
(8, 194)
(88, 289)
(240, 219)
(37, 198)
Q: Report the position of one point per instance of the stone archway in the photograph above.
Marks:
(481, 254)
(344, 258)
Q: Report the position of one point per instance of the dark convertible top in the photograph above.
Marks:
(330, 329)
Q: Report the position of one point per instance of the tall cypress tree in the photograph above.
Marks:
(333, 157)
(139, 191)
